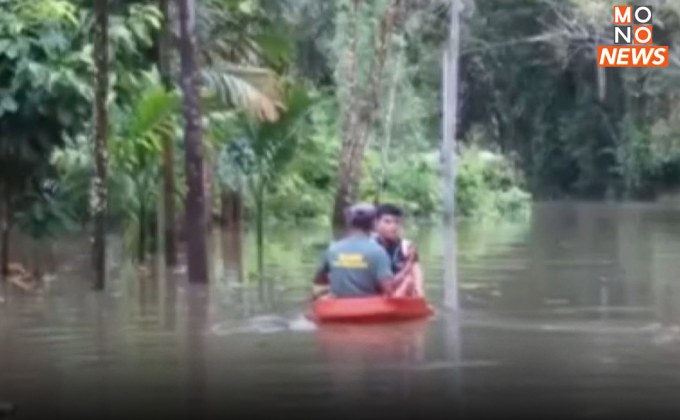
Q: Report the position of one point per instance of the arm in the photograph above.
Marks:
(417, 272)
(320, 280)
(387, 288)
(321, 276)
(410, 272)
(411, 264)
(399, 278)
(387, 281)
(418, 280)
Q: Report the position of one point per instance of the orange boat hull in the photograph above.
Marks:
(369, 309)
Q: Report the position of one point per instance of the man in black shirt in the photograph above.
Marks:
(402, 253)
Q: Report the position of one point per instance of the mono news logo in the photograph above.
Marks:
(633, 35)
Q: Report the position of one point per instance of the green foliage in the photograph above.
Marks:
(45, 84)
(488, 185)
(135, 136)
(262, 149)
(74, 168)
(309, 175)
(38, 12)
(230, 30)
(529, 77)
(252, 89)
(257, 157)
(43, 73)
(239, 47)
(530, 91)
(415, 181)
(135, 154)
(48, 215)
(650, 156)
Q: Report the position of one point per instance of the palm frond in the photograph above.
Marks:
(255, 90)
(152, 112)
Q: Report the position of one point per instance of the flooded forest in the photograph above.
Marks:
(171, 172)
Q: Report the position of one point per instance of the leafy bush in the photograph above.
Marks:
(489, 185)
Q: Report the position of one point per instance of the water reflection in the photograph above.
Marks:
(365, 360)
(197, 301)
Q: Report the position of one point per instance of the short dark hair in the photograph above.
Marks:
(361, 216)
(389, 210)
(362, 223)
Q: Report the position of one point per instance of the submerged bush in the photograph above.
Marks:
(488, 185)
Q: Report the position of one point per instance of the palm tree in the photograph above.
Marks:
(197, 260)
(137, 141)
(230, 59)
(164, 65)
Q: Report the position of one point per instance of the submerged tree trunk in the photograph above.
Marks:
(225, 210)
(170, 231)
(197, 260)
(449, 158)
(360, 104)
(259, 229)
(141, 245)
(208, 186)
(101, 59)
(233, 251)
(231, 212)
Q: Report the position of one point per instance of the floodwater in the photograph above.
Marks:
(572, 314)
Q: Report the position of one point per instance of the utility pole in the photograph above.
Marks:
(449, 160)
(449, 156)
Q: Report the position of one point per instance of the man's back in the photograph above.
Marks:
(356, 266)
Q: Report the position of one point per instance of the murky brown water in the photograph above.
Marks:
(574, 314)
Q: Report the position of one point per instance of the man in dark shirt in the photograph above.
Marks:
(402, 253)
(356, 265)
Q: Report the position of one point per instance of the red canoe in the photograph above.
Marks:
(369, 309)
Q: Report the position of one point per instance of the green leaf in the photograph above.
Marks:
(246, 7)
(276, 47)
(4, 46)
(8, 104)
(252, 89)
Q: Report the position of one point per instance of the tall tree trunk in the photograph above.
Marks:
(384, 156)
(258, 189)
(361, 104)
(208, 191)
(101, 59)
(164, 54)
(260, 234)
(195, 200)
(449, 158)
(5, 225)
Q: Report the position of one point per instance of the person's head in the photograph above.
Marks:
(361, 216)
(388, 221)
